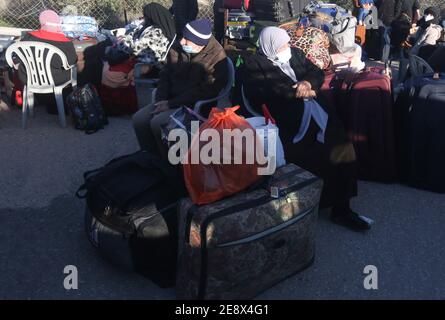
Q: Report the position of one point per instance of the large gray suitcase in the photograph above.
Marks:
(240, 246)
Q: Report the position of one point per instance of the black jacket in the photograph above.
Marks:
(60, 75)
(186, 79)
(265, 83)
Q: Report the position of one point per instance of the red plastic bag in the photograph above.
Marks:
(209, 182)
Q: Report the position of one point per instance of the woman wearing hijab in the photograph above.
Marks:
(425, 39)
(312, 136)
(50, 32)
(149, 44)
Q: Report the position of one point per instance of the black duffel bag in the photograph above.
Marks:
(131, 214)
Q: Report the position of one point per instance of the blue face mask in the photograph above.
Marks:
(188, 49)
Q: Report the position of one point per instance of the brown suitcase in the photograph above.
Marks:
(240, 246)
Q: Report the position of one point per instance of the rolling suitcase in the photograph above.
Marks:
(131, 215)
(364, 103)
(240, 246)
(420, 133)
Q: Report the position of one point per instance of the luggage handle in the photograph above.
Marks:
(81, 193)
(265, 233)
(84, 187)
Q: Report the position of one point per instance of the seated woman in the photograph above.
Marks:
(425, 39)
(149, 44)
(284, 80)
(50, 32)
(151, 41)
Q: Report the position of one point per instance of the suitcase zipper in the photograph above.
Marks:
(267, 232)
(203, 232)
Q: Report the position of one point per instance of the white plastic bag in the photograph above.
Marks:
(265, 128)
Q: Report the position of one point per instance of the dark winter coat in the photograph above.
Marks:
(187, 78)
(335, 160)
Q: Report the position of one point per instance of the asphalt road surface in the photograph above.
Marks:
(41, 227)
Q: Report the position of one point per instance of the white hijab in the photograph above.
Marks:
(271, 39)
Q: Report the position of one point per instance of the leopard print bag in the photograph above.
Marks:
(312, 41)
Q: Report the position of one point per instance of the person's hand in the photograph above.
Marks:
(161, 106)
(303, 90)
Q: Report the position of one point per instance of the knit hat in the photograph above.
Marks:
(199, 32)
(50, 21)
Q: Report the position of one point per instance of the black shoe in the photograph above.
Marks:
(351, 220)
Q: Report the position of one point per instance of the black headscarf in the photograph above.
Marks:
(159, 16)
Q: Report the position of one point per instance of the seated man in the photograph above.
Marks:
(196, 71)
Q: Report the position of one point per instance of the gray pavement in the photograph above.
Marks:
(41, 227)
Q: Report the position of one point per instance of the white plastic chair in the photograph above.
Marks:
(36, 57)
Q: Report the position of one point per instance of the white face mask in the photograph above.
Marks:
(284, 56)
(429, 17)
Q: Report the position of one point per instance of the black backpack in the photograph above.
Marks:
(131, 214)
(86, 109)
